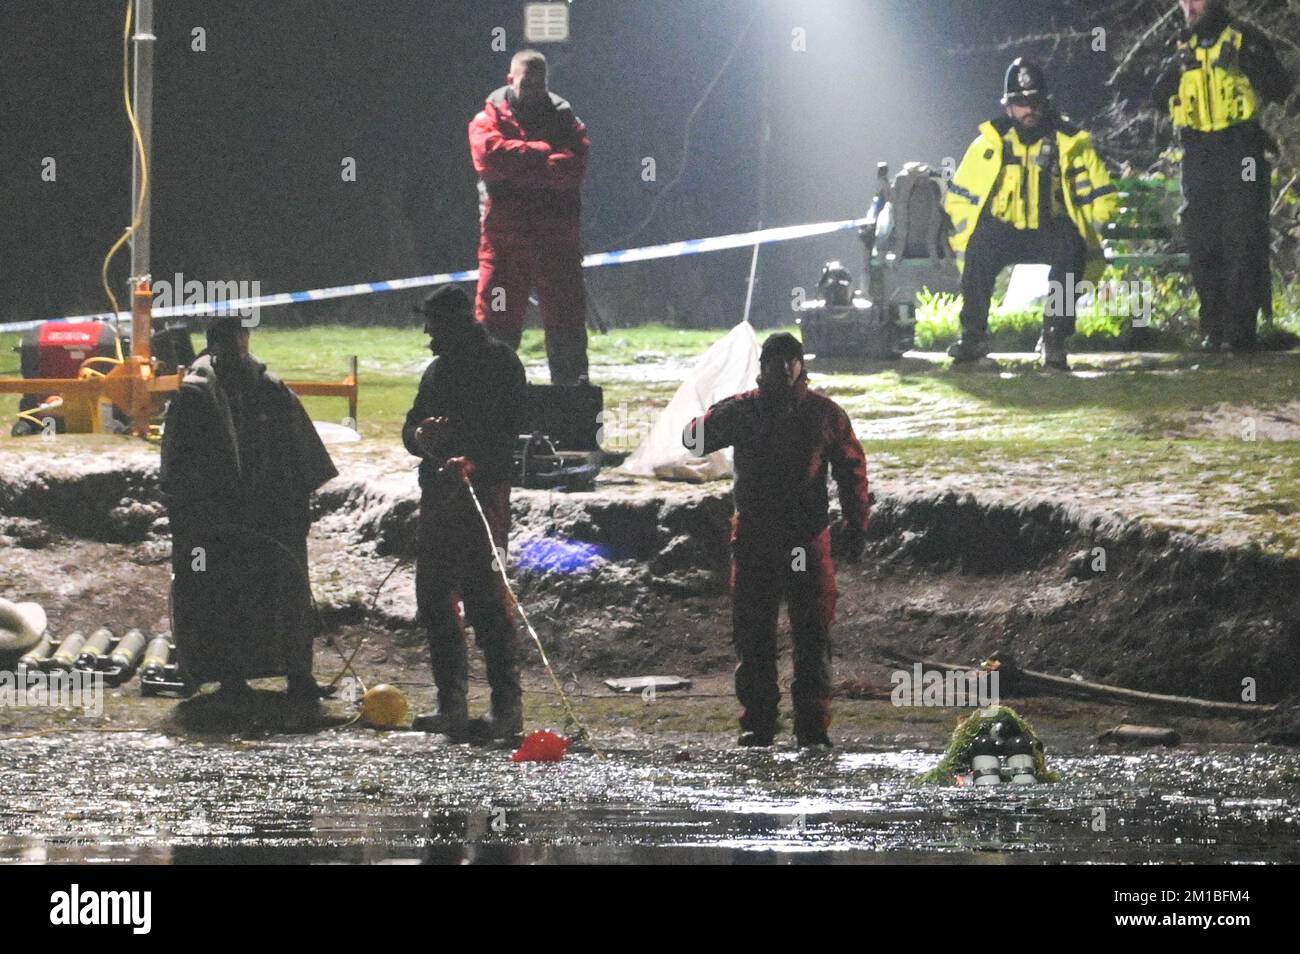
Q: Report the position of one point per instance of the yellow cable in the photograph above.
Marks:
(144, 168)
(116, 362)
(39, 422)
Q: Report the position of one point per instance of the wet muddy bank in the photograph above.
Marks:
(633, 577)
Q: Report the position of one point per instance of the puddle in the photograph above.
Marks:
(401, 798)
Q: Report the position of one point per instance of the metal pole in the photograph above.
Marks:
(144, 40)
(762, 207)
(765, 138)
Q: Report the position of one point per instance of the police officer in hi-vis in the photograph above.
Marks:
(1218, 77)
(1031, 189)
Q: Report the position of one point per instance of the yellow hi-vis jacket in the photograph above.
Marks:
(1217, 93)
(995, 173)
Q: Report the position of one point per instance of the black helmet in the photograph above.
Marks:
(1025, 81)
(836, 285)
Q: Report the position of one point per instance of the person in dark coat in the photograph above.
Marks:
(240, 461)
(785, 438)
(466, 419)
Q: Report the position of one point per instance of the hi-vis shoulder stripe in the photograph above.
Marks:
(626, 256)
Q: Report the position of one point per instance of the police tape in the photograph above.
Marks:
(623, 257)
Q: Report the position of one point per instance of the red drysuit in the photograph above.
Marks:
(781, 541)
(531, 163)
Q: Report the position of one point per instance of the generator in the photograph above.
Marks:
(842, 322)
(61, 349)
(905, 250)
(561, 447)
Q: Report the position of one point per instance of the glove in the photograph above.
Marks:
(433, 435)
(461, 467)
(1187, 60)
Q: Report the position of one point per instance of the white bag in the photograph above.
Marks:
(728, 368)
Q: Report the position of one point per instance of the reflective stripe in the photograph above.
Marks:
(1096, 194)
(970, 197)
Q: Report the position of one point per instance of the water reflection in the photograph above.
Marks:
(398, 798)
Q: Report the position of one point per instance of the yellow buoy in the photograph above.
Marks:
(385, 707)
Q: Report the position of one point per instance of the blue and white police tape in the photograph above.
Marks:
(625, 256)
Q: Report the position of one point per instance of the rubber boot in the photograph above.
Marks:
(451, 677)
(969, 349)
(757, 730)
(1052, 351)
(811, 722)
(500, 653)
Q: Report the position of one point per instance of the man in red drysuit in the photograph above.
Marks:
(530, 152)
(785, 437)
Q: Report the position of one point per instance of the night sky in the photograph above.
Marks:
(250, 134)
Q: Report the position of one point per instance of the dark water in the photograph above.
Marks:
(352, 797)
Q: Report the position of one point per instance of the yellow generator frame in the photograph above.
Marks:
(135, 387)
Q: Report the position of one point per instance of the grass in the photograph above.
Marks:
(1125, 437)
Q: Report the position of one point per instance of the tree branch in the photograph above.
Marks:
(1141, 42)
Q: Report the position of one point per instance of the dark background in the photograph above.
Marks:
(249, 137)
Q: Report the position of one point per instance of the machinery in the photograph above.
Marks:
(906, 250)
(560, 448)
(72, 350)
(83, 378)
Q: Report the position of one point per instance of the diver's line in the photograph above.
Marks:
(514, 600)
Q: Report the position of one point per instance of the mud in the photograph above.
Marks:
(632, 577)
(628, 580)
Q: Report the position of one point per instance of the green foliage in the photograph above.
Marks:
(956, 759)
(1102, 327)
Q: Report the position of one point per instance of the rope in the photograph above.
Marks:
(516, 605)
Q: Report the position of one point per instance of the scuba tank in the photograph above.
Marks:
(95, 649)
(1020, 760)
(121, 664)
(66, 655)
(984, 759)
(35, 657)
(158, 673)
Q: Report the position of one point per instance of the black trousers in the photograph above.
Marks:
(454, 566)
(995, 245)
(764, 571)
(1227, 193)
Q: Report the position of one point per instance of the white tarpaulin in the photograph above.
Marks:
(729, 367)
